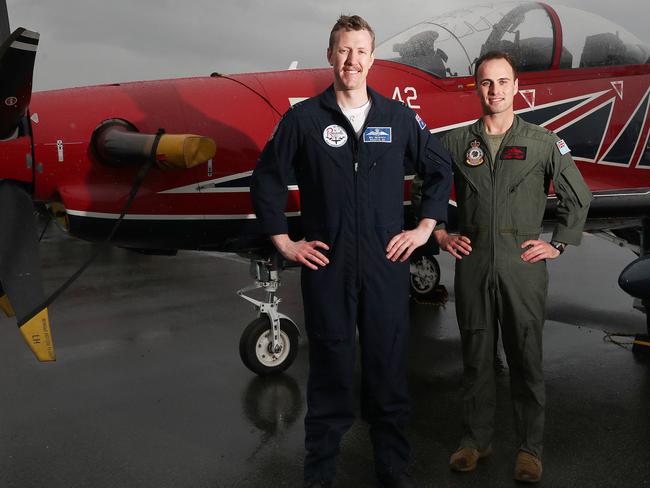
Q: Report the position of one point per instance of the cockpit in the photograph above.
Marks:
(538, 36)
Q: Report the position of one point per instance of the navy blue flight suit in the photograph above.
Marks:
(352, 198)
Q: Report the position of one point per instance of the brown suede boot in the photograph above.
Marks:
(466, 458)
(528, 468)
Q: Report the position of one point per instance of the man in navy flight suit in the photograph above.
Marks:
(350, 149)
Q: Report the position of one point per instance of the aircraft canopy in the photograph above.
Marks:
(539, 36)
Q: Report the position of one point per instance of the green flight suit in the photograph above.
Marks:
(501, 204)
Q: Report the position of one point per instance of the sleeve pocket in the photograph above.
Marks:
(572, 183)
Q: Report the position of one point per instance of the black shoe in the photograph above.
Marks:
(318, 484)
(402, 480)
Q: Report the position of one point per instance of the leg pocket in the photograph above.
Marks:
(329, 304)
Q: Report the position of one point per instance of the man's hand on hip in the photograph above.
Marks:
(403, 244)
(456, 245)
(538, 250)
(303, 252)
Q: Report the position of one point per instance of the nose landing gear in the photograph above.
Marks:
(269, 344)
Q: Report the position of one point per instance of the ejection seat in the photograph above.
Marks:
(419, 51)
(607, 49)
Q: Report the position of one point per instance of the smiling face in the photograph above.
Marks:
(351, 57)
(496, 86)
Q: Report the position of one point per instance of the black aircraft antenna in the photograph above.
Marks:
(4, 21)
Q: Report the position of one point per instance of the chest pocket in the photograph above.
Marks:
(473, 187)
(526, 197)
(385, 176)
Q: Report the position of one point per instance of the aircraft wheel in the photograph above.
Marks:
(425, 276)
(255, 346)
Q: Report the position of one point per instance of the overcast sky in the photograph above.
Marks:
(101, 41)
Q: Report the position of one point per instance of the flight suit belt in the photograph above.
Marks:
(472, 229)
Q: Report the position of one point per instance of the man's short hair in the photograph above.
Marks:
(349, 23)
(489, 56)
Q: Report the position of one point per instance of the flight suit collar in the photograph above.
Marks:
(379, 106)
(328, 100)
(478, 128)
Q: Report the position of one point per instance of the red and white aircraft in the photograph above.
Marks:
(80, 149)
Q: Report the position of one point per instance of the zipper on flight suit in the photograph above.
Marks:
(493, 205)
(493, 214)
(355, 169)
(356, 159)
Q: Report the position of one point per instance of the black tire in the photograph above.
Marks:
(254, 343)
(424, 283)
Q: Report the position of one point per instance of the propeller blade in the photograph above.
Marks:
(20, 270)
(635, 278)
(5, 304)
(17, 56)
(4, 21)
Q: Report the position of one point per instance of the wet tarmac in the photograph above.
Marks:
(149, 390)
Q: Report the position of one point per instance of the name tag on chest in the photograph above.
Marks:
(514, 152)
(378, 134)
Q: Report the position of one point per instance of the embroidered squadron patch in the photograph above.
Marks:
(562, 146)
(474, 154)
(514, 152)
(378, 134)
(335, 135)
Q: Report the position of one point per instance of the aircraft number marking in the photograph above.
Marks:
(410, 95)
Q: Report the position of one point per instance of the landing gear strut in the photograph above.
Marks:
(269, 344)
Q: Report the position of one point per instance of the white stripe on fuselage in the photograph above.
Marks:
(209, 186)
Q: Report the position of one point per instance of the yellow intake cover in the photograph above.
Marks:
(184, 151)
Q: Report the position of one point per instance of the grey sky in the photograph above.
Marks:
(96, 41)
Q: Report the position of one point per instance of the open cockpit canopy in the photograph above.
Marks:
(538, 36)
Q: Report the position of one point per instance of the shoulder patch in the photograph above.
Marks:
(420, 122)
(562, 146)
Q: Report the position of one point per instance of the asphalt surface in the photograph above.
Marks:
(149, 390)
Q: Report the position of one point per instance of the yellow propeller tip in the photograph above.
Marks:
(6, 307)
(38, 336)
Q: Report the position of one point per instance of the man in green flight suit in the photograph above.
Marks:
(502, 170)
